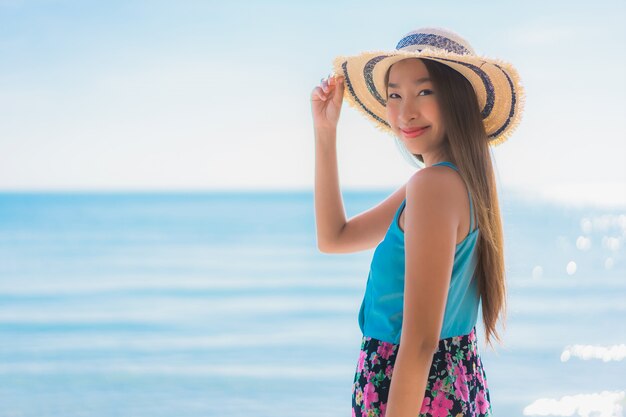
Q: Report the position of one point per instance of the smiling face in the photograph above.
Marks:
(412, 103)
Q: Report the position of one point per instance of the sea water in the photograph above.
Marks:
(220, 304)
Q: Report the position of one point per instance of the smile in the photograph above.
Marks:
(414, 133)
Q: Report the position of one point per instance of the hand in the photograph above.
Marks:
(326, 100)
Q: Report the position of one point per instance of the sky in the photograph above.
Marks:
(203, 95)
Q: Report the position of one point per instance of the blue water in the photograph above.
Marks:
(220, 304)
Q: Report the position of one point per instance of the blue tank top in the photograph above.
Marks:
(380, 315)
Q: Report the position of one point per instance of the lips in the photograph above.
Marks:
(414, 129)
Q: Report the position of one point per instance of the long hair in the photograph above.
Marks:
(467, 145)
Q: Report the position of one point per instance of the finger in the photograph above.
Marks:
(320, 94)
(341, 85)
(325, 86)
(338, 96)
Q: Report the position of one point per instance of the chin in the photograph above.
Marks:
(412, 149)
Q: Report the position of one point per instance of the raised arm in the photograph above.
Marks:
(336, 234)
(366, 230)
(330, 217)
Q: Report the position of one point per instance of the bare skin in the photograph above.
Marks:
(335, 233)
(464, 225)
(437, 216)
(411, 105)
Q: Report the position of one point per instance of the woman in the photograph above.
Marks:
(438, 238)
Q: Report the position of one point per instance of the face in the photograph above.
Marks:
(411, 106)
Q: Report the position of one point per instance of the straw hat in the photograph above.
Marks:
(496, 83)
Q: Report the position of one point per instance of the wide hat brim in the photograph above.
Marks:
(497, 84)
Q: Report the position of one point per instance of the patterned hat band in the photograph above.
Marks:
(418, 41)
(497, 83)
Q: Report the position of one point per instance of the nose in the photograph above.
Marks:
(408, 111)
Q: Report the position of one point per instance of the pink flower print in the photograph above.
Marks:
(460, 370)
(456, 340)
(383, 409)
(448, 357)
(353, 412)
(375, 360)
(472, 335)
(437, 385)
(385, 350)
(370, 375)
(389, 371)
(441, 405)
(460, 388)
(369, 395)
(480, 376)
(484, 379)
(362, 357)
(481, 402)
(425, 406)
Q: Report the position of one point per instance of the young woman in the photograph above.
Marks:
(438, 238)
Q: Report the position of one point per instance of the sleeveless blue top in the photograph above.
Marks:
(380, 315)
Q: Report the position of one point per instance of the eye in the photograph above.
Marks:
(429, 92)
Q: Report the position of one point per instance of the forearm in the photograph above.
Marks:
(408, 383)
(329, 212)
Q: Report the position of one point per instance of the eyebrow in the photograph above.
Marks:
(416, 82)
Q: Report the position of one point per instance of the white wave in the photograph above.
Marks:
(603, 404)
(587, 352)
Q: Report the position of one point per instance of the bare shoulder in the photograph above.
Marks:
(438, 193)
(436, 180)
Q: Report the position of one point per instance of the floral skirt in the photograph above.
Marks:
(456, 386)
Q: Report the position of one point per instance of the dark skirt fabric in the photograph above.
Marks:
(456, 386)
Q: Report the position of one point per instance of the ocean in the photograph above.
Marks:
(189, 304)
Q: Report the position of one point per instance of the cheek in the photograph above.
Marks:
(391, 115)
(435, 112)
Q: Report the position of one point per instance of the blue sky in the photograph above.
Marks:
(155, 95)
